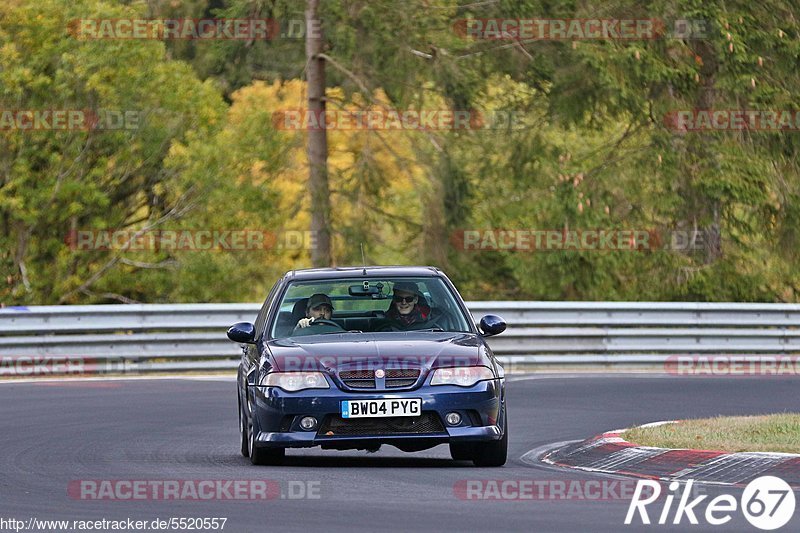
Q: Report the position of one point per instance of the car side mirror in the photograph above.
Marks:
(492, 325)
(242, 332)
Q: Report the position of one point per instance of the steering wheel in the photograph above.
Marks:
(430, 324)
(415, 327)
(326, 322)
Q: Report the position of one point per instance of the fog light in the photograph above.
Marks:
(308, 422)
(453, 419)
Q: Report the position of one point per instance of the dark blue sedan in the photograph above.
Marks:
(355, 358)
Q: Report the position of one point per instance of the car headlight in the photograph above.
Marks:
(463, 376)
(295, 381)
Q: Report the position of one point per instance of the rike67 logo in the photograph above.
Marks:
(767, 503)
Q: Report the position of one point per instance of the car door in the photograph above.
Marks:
(251, 352)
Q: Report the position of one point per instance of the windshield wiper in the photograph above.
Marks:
(428, 329)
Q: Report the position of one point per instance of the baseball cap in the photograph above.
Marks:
(319, 299)
(406, 286)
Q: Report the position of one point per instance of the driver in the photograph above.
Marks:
(318, 314)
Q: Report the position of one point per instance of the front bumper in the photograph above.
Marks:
(278, 413)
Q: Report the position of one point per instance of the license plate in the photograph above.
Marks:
(380, 408)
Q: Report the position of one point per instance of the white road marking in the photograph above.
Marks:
(572, 375)
(118, 378)
(746, 461)
(656, 424)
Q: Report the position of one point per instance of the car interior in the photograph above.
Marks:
(364, 321)
(348, 320)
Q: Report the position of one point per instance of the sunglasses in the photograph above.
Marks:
(406, 299)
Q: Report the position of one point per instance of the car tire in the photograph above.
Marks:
(262, 456)
(243, 433)
(267, 456)
(461, 451)
(493, 453)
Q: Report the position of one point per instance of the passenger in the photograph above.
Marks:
(406, 312)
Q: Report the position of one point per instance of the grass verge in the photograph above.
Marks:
(765, 433)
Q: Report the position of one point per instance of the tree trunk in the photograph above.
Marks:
(317, 148)
(703, 149)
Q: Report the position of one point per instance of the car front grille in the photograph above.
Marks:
(427, 422)
(357, 374)
(396, 378)
(393, 373)
(397, 383)
(358, 379)
(401, 377)
(360, 383)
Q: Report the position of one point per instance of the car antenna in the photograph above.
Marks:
(363, 259)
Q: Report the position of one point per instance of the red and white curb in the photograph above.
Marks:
(610, 453)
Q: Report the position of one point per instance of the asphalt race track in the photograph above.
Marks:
(52, 434)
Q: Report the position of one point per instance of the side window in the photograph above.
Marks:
(262, 315)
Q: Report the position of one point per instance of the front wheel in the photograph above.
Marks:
(493, 453)
(262, 456)
(243, 437)
(461, 451)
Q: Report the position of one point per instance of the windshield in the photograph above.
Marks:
(368, 305)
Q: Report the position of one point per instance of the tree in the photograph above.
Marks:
(317, 149)
(53, 181)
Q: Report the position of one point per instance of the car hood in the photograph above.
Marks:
(369, 351)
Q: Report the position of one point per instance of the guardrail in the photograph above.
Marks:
(180, 337)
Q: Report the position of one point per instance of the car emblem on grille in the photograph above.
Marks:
(380, 373)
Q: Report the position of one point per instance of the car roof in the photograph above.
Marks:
(366, 271)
